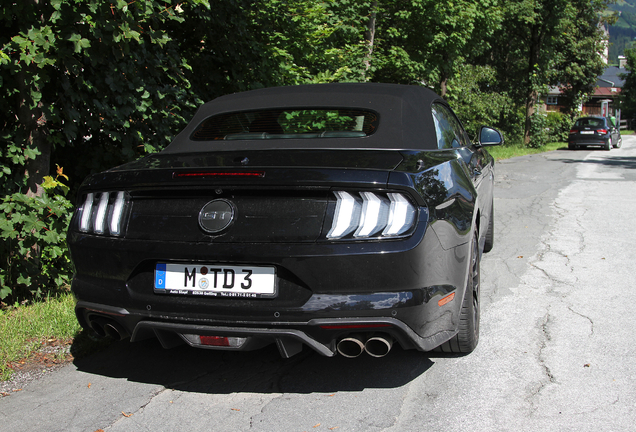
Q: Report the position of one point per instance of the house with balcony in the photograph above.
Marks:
(603, 102)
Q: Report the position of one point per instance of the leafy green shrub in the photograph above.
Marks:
(34, 257)
(559, 125)
(471, 95)
(539, 132)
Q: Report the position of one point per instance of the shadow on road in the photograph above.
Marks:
(263, 371)
(627, 162)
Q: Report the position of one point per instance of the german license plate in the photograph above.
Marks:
(587, 132)
(215, 280)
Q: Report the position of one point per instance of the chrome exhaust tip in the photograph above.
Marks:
(378, 346)
(351, 346)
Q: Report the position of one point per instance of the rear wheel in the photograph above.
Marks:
(490, 234)
(465, 341)
(608, 144)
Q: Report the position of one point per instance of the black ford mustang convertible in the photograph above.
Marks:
(343, 217)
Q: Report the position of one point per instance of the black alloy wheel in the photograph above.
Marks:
(465, 341)
(490, 234)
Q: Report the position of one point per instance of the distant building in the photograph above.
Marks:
(602, 102)
(608, 87)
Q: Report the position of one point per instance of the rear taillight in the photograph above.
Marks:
(573, 131)
(602, 131)
(367, 215)
(103, 213)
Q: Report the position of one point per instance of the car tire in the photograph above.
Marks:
(490, 234)
(608, 144)
(465, 341)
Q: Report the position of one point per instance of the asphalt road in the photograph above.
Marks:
(556, 350)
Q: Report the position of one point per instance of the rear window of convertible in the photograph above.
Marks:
(288, 123)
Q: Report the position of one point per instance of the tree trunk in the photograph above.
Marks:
(530, 107)
(532, 94)
(369, 36)
(33, 121)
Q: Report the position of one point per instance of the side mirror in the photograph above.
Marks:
(489, 137)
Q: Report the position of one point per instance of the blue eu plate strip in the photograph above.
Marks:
(160, 276)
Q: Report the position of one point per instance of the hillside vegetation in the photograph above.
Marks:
(623, 31)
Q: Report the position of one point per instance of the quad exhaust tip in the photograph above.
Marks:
(378, 346)
(106, 327)
(354, 345)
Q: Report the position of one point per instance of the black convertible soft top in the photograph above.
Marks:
(405, 119)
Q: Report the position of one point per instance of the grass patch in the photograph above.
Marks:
(23, 329)
(627, 132)
(507, 152)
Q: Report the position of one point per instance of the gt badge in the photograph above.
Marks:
(216, 215)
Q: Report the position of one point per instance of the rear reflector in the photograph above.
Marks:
(353, 326)
(215, 341)
(449, 298)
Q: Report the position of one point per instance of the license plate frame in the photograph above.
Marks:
(215, 280)
(587, 132)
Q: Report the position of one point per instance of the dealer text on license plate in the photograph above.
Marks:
(215, 280)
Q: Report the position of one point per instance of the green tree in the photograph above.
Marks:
(86, 84)
(427, 41)
(627, 97)
(545, 43)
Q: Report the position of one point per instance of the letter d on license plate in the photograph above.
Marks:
(215, 280)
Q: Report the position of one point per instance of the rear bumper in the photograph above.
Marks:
(585, 141)
(325, 292)
(321, 334)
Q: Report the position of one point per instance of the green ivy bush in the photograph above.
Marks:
(34, 258)
(559, 125)
(539, 132)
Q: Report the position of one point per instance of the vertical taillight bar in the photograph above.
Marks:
(87, 212)
(117, 213)
(100, 217)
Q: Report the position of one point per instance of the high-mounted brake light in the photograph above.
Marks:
(371, 215)
(219, 174)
